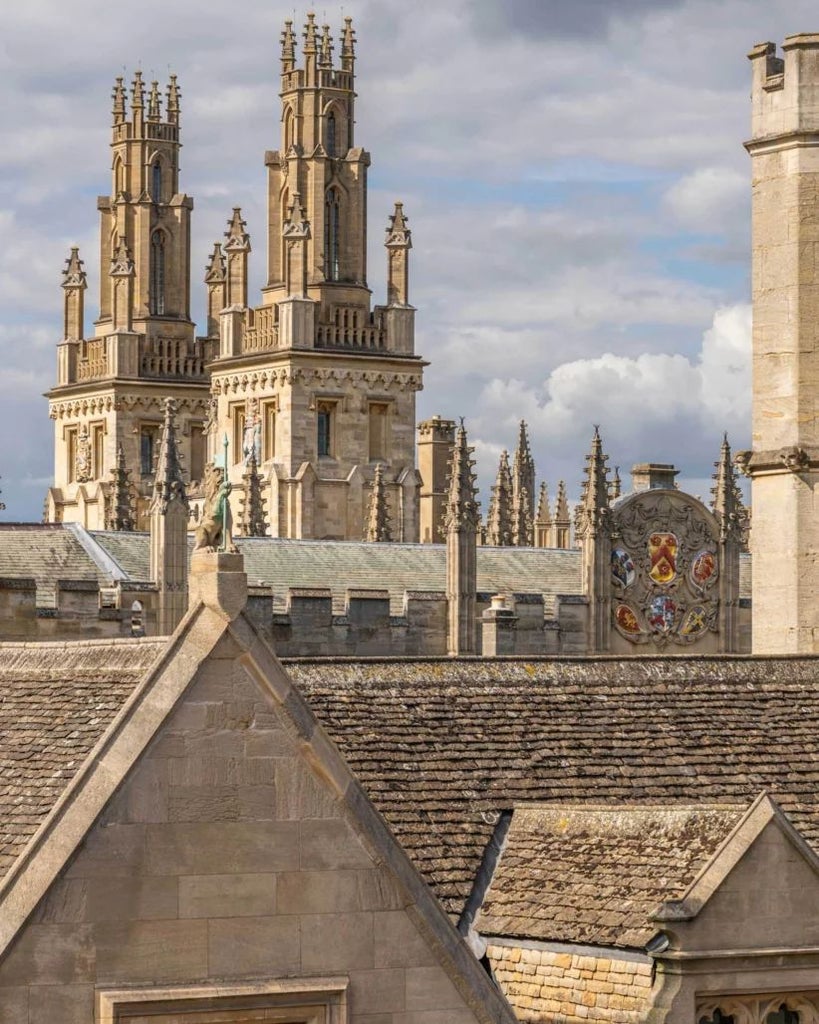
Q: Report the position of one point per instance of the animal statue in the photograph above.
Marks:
(214, 530)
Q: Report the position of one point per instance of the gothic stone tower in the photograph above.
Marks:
(319, 382)
(784, 462)
(111, 387)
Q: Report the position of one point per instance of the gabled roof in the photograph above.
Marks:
(56, 701)
(442, 746)
(595, 874)
(46, 552)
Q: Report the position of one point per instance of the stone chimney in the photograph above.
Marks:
(649, 476)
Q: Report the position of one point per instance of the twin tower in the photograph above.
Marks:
(314, 386)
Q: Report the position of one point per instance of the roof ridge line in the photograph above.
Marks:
(104, 562)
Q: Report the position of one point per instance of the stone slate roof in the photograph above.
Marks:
(47, 552)
(56, 701)
(442, 746)
(595, 874)
(338, 565)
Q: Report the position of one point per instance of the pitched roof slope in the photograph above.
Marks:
(442, 746)
(594, 875)
(56, 701)
(47, 552)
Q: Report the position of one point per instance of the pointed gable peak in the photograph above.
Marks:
(169, 484)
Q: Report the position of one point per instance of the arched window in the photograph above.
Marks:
(783, 1015)
(331, 134)
(157, 283)
(288, 129)
(332, 216)
(156, 181)
(119, 177)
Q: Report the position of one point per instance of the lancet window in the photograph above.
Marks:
(157, 283)
(332, 223)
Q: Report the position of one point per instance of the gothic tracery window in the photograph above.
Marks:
(717, 1017)
(783, 1015)
(157, 284)
(332, 218)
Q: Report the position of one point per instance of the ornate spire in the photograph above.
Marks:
(544, 511)
(288, 41)
(616, 486)
(726, 497)
(118, 97)
(499, 519)
(523, 490)
(593, 510)
(168, 483)
(326, 50)
(310, 34)
(347, 45)
(562, 504)
(120, 509)
(173, 95)
(398, 232)
(154, 103)
(252, 518)
(238, 240)
(378, 517)
(461, 511)
(137, 92)
(562, 522)
(74, 271)
(215, 271)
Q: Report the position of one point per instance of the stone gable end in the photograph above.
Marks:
(224, 856)
(772, 890)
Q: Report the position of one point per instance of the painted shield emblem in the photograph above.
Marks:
(626, 620)
(695, 622)
(703, 568)
(662, 550)
(661, 614)
(622, 568)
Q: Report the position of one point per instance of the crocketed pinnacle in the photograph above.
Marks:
(461, 511)
(168, 483)
(616, 486)
(544, 511)
(137, 92)
(310, 34)
(288, 41)
(326, 49)
(378, 517)
(74, 271)
(154, 103)
(726, 497)
(252, 516)
(118, 96)
(593, 510)
(347, 45)
(499, 518)
(399, 235)
(215, 272)
(238, 240)
(173, 95)
(523, 490)
(120, 509)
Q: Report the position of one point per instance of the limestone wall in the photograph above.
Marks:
(572, 987)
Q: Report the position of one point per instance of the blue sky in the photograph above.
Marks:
(573, 173)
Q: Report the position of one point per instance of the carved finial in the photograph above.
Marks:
(168, 483)
(310, 34)
(74, 271)
(461, 511)
(288, 41)
(562, 515)
(137, 92)
(499, 518)
(326, 50)
(238, 240)
(378, 529)
(347, 45)
(215, 271)
(122, 263)
(296, 225)
(616, 485)
(118, 97)
(726, 496)
(252, 517)
(120, 507)
(544, 510)
(154, 103)
(593, 511)
(173, 95)
(398, 232)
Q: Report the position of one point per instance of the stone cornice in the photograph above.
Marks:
(768, 462)
(782, 141)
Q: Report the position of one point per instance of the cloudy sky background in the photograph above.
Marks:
(573, 174)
